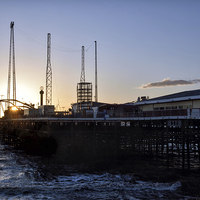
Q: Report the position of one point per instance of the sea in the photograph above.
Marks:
(21, 178)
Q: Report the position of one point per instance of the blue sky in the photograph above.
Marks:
(139, 43)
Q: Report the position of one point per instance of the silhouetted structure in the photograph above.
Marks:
(11, 65)
(96, 90)
(84, 89)
(48, 72)
(82, 79)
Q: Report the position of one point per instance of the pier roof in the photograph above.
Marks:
(180, 96)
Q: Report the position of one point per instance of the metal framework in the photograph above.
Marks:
(84, 95)
(11, 66)
(84, 89)
(48, 72)
(82, 79)
(13, 103)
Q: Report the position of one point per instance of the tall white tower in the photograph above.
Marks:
(11, 66)
(96, 88)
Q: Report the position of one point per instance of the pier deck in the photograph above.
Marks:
(174, 140)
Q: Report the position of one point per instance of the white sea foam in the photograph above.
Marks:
(20, 180)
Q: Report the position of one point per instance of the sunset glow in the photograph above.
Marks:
(138, 43)
(14, 108)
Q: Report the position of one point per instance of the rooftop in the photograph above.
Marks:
(180, 96)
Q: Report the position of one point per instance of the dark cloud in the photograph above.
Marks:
(167, 82)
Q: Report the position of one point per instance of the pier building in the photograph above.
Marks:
(182, 104)
(117, 110)
(185, 103)
(84, 108)
(44, 110)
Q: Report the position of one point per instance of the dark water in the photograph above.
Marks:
(21, 179)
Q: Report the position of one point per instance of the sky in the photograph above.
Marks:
(144, 48)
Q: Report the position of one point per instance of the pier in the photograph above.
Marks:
(171, 140)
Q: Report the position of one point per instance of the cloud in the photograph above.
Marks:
(167, 82)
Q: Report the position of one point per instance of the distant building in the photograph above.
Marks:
(185, 103)
(117, 110)
(84, 109)
(46, 110)
(31, 112)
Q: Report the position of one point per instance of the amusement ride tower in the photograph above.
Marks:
(48, 72)
(11, 66)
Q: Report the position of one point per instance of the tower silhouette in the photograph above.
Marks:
(48, 72)
(11, 66)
